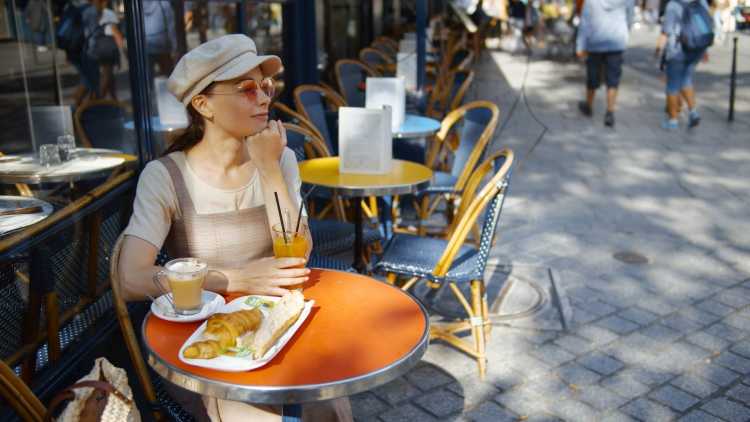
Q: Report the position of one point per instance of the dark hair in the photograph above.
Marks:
(187, 138)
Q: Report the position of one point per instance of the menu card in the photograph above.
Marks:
(407, 69)
(171, 111)
(407, 45)
(365, 140)
(388, 92)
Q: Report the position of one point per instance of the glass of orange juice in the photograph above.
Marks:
(288, 244)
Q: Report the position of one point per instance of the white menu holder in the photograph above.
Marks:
(388, 92)
(172, 113)
(408, 46)
(365, 140)
(407, 68)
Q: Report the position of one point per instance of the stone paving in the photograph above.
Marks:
(664, 340)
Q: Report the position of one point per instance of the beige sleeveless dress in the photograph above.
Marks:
(223, 240)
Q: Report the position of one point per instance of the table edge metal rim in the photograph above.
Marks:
(299, 393)
(39, 179)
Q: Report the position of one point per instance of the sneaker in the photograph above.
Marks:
(694, 119)
(609, 119)
(584, 107)
(669, 124)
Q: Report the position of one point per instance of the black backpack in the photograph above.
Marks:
(70, 35)
(697, 31)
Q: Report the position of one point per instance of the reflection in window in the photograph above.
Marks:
(64, 72)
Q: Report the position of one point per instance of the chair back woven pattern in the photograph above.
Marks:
(474, 123)
(491, 219)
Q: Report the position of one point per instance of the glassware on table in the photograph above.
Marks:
(288, 244)
(185, 277)
(49, 155)
(67, 146)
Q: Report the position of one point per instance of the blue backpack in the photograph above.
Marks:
(697, 31)
(70, 32)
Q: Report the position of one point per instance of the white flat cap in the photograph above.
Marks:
(221, 59)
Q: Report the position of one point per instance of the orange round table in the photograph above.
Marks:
(361, 333)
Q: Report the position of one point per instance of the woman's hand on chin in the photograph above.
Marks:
(265, 147)
(268, 276)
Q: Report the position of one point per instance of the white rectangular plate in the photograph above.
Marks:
(247, 363)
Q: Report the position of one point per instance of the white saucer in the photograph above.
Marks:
(211, 303)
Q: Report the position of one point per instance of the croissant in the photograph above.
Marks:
(208, 349)
(226, 328)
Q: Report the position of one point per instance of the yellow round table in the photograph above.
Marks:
(404, 178)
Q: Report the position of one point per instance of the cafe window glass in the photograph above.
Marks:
(64, 72)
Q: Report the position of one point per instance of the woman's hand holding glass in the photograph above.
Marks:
(269, 276)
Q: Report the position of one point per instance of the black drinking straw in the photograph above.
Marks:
(299, 218)
(301, 206)
(281, 216)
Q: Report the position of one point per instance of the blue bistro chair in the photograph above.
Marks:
(451, 96)
(386, 45)
(378, 60)
(463, 136)
(101, 124)
(318, 103)
(329, 236)
(453, 264)
(350, 77)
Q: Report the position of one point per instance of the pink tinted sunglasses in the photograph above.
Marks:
(250, 88)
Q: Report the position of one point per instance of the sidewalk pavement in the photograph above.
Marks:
(663, 340)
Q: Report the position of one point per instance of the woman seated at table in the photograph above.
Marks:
(212, 196)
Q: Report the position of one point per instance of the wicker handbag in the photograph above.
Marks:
(101, 396)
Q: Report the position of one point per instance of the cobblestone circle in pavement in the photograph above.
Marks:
(668, 339)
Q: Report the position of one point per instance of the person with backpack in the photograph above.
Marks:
(601, 40)
(104, 46)
(161, 36)
(79, 20)
(687, 32)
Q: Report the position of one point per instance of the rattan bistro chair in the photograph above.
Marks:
(387, 47)
(453, 262)
(469, 128)
(158, 400)
(19, 396)
(378, 60)
(350, 77)
(450, 96)
(319, 105)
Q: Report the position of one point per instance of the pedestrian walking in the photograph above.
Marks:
(686, 34)
(104, 46)
(37, 17)
(161, 36)
(602, 38)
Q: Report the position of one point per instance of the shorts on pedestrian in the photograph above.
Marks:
(609, 63)
(680, 72)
